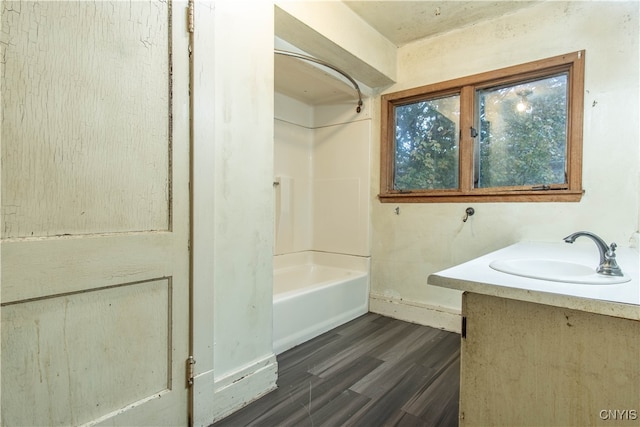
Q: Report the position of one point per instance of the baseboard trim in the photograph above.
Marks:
(233, 391)
(416, 312)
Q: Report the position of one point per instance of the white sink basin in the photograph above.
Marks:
(555, 271)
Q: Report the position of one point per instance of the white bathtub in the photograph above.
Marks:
(314, 292)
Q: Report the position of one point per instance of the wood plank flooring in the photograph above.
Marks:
(372, 371)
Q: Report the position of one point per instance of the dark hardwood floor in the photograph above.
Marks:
(372, 371)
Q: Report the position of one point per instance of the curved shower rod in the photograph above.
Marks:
(326, 64)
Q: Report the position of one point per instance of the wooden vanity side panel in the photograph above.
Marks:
(530, 364)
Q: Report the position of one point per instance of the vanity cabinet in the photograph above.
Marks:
(527, 363)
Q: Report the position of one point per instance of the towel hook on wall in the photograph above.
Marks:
(467, 213)
(326, 64)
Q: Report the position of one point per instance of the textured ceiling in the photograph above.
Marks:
(402, 22)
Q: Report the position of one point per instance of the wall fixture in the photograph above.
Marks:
(325, 64)
(467, 213)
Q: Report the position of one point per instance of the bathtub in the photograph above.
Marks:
(314, 292)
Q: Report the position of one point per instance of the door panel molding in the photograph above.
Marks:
(116, 338)
(68, 265)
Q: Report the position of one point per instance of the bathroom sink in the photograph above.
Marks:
(555, 271)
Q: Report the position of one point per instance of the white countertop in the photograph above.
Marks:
(619, 300)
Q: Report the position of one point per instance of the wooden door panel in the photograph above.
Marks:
(71, 352)
(74, 161)
(95, 213)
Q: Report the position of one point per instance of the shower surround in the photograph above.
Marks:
(322, 201)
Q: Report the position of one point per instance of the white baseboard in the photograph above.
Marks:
(416, 312)
(216, 398)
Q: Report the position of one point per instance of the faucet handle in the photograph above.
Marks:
(610, 255)
(609, 266)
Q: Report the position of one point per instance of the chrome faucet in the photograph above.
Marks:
(608, 265)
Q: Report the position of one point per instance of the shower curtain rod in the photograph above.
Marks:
(326, 64)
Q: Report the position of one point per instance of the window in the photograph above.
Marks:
(513, 134)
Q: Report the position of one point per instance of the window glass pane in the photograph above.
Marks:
(522, 137)
(426, 144)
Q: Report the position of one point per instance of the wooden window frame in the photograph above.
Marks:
(571, 63)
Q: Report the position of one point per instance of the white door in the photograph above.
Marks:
(95, 213)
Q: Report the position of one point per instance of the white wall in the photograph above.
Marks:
(324, 152)
(232, 206)
(425, 238)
